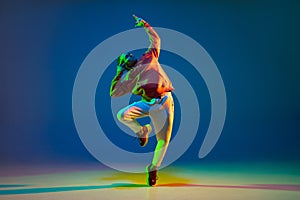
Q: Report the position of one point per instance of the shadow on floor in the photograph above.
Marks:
(69, 188)
(132, 185)
(253, 186)
(11, 185)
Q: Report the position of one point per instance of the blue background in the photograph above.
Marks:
(255, 45)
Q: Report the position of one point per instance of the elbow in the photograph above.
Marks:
(158, 40)
(113, 90)
(112, 94)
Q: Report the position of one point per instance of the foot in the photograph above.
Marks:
(151, 175)
(143, 134)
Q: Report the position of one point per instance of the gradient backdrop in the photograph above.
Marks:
(255, 45)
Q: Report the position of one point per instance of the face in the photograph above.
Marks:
(131, 60)
(127, 61)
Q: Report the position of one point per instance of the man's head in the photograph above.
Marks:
(127, 61)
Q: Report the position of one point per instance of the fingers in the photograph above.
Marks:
(139, 21)
(135, 17)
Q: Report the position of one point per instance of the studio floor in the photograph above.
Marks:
(196, 181)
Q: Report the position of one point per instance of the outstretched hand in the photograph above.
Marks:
(139, 21)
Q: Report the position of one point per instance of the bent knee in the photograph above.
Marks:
(120, 116)
(123, 116)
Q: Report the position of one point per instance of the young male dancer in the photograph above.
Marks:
(146, 77)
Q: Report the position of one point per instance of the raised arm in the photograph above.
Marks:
(153, 36)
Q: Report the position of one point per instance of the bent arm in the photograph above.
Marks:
(123, 82)
(115, 91)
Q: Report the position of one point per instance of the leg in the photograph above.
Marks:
(163, 124)
(129, 114)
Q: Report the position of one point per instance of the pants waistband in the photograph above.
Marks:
(148, 99)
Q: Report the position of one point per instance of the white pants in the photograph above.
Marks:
(161, 113)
